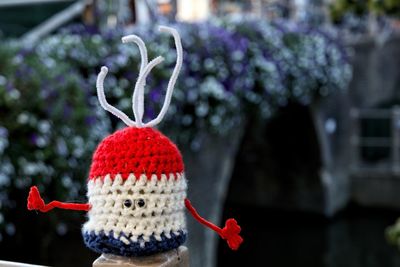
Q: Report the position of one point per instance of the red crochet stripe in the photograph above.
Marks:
(138, 151)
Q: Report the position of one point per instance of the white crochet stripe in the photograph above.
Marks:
(163, 211)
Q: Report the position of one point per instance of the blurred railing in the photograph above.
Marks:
(54, 22)
(4, 3)
(17, 264)
(384, 144)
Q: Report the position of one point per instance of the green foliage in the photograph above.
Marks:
(385, 7)
(295, 63)
(48, 129)
(340, 8)
(393, 234)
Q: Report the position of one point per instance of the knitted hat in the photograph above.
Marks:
(137, 185)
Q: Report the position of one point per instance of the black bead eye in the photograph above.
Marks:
(140, 203)
(128, 203)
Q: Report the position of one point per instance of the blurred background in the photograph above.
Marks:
(287, 114)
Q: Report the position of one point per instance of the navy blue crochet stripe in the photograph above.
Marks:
(102, 243)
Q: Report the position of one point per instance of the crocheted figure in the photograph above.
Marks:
(137, 185)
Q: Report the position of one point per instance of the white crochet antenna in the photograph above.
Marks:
(138, 93)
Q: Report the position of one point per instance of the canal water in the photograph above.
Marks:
(354, 238)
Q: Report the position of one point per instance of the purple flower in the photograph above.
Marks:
(67, 111)
(23, 52)
(130, 75)
(155, 95)
(90, 120)
(24, 71)
(60, 79)
(3, 132)
(33, 138)
(80, 29)
(149, 113)
(9, 87)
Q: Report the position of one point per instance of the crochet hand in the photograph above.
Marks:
(231, 234)
(35, 202)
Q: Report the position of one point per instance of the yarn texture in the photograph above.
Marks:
(35, 202)
(136, 186)
(136, 191)
(138, 151)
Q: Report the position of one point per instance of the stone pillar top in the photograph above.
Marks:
(174, 258)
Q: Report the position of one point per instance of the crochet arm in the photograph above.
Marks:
(230, 232)
(35, 202)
